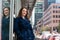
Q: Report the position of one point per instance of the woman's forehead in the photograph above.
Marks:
(6, 9)
(25, 9)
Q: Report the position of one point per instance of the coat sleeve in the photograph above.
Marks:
(16, 28)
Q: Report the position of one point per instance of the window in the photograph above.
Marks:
(56, 21)
(58, 6)
(53, 6)
(59, 21)
(53, 11)
(56, 11)
(53, 21)
(53, 16)
(59, 16)
(56, 16)
(59, 11)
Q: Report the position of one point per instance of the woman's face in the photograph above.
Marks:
(6, 11)
(24, 12)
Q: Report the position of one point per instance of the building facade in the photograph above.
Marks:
(40, 23)
(38, 10)
(51, 16)
(47, 3)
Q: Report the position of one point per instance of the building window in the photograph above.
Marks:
(59, 11)
(59, 16)
(59, 21)
(58, 6)
(56, 11)
(53, 21)
(53, 16)
(53, 11)
(56, 16)
(56, 21)
(53, 6)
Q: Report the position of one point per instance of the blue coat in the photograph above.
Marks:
(5, 28)
(23, 29)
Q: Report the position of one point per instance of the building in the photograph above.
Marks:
(51, 1)
(51, 16)
(47, 3)
(37, 14)
(39, 25)
(38, 10)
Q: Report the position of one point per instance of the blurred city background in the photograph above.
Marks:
(44, 16)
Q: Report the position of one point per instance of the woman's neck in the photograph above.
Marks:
(6, 16)
(23, 17)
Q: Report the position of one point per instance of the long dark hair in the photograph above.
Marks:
(8, 9)
(20, 13)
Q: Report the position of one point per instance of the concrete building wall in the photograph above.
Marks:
(47, 3)
(52, 16)
(40, 22)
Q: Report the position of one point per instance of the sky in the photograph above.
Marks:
(58, 1)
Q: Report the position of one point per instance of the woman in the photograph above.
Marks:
(5, 23)
(22, 26)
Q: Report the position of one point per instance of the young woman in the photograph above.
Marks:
(22, 26)
(5, 23)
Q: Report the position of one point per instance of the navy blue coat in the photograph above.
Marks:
(23, 29)
(5, 28)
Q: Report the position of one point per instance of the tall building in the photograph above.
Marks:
(57, 1)
(47, 3)
(38, 10)
(51, 1)
(51, 16)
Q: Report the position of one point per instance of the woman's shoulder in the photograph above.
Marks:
(18, 19)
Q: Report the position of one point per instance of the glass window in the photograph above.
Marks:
(56, 11)
(53, 6)
(59, 16)
(56, 16)
(59, 21)
(53, 11)
(58, 6)
(56, 21)
(59, 11)
(53, 16)
(53, 21)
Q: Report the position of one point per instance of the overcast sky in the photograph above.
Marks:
(58, 1)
